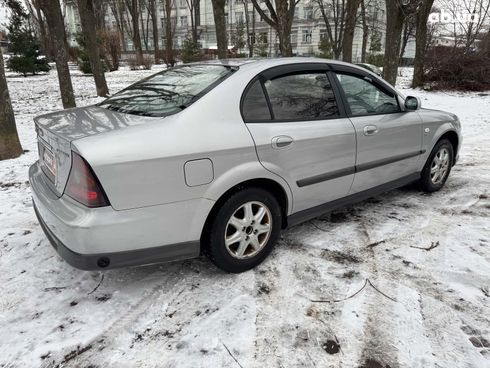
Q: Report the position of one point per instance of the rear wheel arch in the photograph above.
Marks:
(269, 185)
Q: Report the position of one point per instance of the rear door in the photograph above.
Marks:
(301, 132)
(389, 140)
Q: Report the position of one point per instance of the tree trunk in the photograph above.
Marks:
(87, 19)
(9, 140)
(281, 19)
(394, 26)
(365, 32)
(350, 26)
(250, 43)
(284, 22)
(220, 24)
(56, 25)
(421, 43)
(169, 33)
(154, 26)
(133, 8)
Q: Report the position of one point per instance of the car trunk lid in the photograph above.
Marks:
(56, 131)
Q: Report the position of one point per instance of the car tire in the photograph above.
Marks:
(437, 167)
(243, 230)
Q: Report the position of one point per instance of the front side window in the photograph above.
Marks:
(306, 96)
(365, 98)
(169, 91)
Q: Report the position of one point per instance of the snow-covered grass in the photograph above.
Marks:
(427, 259)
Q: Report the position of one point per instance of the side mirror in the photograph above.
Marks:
(412, 103)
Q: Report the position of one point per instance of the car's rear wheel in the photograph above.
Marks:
(437, 167)
(243, 231)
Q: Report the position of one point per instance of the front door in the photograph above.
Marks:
(301, 133)
(389, 140)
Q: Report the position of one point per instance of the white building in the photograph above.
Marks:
(307, 31)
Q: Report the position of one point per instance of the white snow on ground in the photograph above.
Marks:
(420, 308)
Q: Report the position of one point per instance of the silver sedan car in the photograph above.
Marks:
(216, 158)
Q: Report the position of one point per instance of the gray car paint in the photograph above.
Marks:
(140, 162)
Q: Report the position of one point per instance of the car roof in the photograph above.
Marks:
(269, 62)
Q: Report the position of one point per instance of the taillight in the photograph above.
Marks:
(83, 185)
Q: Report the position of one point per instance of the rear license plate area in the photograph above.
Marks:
(48, 162)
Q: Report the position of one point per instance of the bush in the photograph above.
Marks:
(453, 69)
(325, 49)
(190, 51)
(375, 59)
(82, 55)
(111, 44)
(146, 62)
(24, 46)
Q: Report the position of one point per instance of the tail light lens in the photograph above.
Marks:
(83, 185)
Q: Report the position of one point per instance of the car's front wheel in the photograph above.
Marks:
(243, 231)
(437, 167)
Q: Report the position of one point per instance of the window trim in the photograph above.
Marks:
(292, 69)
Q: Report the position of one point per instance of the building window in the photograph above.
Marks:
(239, 17)
(323, 34)
(263, 37)
(306, 36)
(183, 3)
(183, 21)
(308, 13)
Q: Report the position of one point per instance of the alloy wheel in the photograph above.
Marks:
(248, 230)
(439, 166)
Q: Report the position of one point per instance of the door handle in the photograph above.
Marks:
(370, 129)
(281, 141)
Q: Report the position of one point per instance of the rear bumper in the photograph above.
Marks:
(101, 261)
(102, 238)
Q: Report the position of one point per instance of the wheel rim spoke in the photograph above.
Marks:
(242, 248)
(249, 215)
(260, 215)
(234, 238)
(263, 228)
(236, 222)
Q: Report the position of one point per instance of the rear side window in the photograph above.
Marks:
(305, 96)
(365, 98)
(255, 104)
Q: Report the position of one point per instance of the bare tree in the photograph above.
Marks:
(89, 29)
(220, 24)
(250, 35)
(56, 26)
(195, 15)
(39, 26)
(421, 42)
(153, 15)
(365, 31)
(170, 24)
(281, 19)
(9, 139)
(118, 9)
(408, 32)
(333, 13)
(466, 31)
(350, 26)
(396, 13)
(133, 7)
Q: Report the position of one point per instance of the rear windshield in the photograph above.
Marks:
(169, 91)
